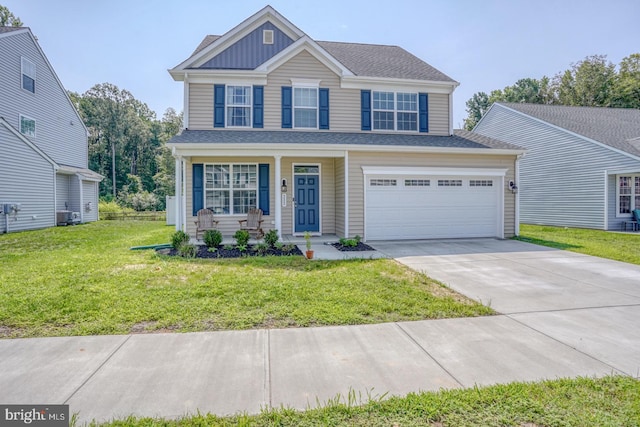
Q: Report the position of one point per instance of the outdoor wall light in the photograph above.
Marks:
(513, 187)
(284, 186)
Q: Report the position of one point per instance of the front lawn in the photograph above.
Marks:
(581, 402)
(84, 280)
(605, 244)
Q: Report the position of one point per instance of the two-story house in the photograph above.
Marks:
(332, 138)
(43, 142)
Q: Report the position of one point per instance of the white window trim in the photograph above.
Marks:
(305, 84)
(22, 72)
(230, 189)
(35, 127)
(632, 195)
(268, 37)
(396, 111)
(227, 105)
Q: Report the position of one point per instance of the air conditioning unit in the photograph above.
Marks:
(67, 218)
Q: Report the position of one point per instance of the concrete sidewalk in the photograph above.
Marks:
(170, 375)
(582, 318)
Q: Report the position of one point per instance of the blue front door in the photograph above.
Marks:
(307, 206)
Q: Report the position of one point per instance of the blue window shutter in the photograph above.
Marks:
(323, 98)
(218, 106)
(198, 187)
(365, 106)
(258, 107)
(263, 183)
(287, 108)
(423, 111)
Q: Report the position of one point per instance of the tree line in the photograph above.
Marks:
(592, 82)
(127, 145)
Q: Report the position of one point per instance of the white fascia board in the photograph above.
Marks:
(623, 171)
(577, 135)
(302, 44)
(28, 143)
(239, 31)
(204, 149)
(404, 170)
(220, 76)
(389, 84)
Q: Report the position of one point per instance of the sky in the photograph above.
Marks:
(483, 44)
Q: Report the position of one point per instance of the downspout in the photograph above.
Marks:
(184, 194)
(178, 191)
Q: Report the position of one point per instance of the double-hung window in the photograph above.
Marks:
(305, 107)
(27, 126)
(231, 188)
(628, 191)
(238, 106)
(28, 75)
(395, 111)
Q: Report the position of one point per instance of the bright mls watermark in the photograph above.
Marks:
(34, 415)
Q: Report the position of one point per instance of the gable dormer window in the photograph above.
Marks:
(238, 106)
(267, 36)
(28, 75)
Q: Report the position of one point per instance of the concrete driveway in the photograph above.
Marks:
(590, 304)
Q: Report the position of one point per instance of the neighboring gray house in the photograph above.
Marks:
(332, 138)
(43, 142)
(582, 167)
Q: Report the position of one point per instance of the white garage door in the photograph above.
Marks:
(432, 207)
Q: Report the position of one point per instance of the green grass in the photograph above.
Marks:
(84, 280)
(582, 402)
(605, 244)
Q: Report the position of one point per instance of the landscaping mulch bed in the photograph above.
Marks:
(221, 252)
(359, 247)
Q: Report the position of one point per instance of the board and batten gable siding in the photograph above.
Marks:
(26, 178)
(562, 176)
(344, 104)
(64, 142)
(356, 179)
(90, 195)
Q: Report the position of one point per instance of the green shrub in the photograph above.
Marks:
(271, 238)
(187, 250)
(262, 248)
(112, 207)
(242, 238)
(178, 239)
(212, 238)
(350, 243)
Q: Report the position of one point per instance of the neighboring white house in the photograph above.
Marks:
(332, 138)
(43, 142)
(582, 167)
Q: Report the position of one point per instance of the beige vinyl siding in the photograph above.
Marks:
(339, 185)
(356, 179)
(327, 193)
(228, 224)
(200, 106)
(438, 114)
(344, 104)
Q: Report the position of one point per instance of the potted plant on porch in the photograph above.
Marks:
(307, 239)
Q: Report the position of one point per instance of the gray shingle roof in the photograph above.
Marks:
(616, 127)
(460, 139)
(9, 29)
(371, 60)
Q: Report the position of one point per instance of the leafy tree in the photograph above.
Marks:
(476, 107)
(8, 19)
(589, 83)
(626, 91)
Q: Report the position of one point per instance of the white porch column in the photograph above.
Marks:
(278, 191)
(346, 194)
(178, 200)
